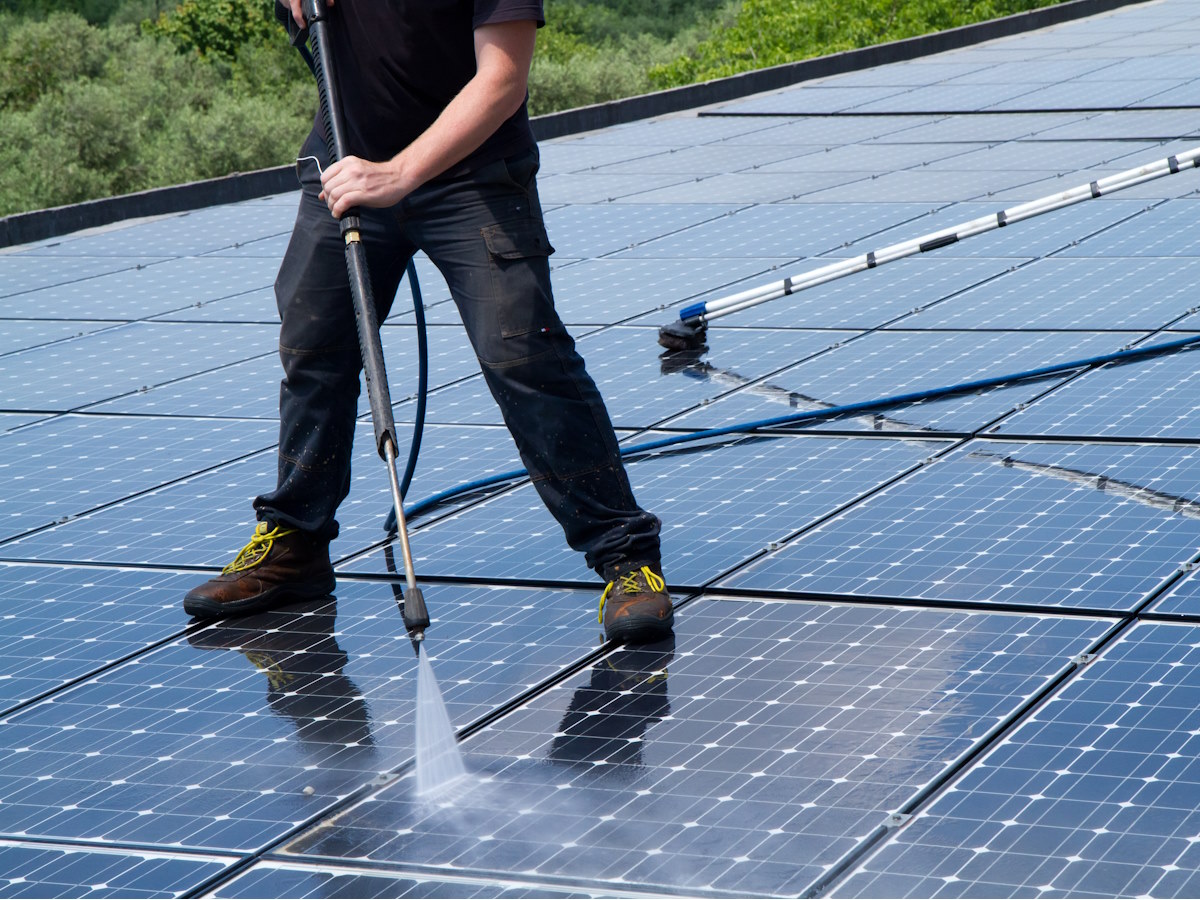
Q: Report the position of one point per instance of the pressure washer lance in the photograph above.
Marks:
(416, 616)
(689, 332)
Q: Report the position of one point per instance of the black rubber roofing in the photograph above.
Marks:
(946, 648)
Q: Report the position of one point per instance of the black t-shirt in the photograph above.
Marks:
(401, 62)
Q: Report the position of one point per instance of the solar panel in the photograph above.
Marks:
(231, 737)
(132, 293)
(700, 498)
(744, 758)
(1152, 397)
(64, 467)
(781, 230)
(205, 519)
(888, 363)
(885, 621)
(49, 870)
(118, 361)
(1092, 795)
(1094, 526)
(25, 334)
(1132, 294)
(277, 879)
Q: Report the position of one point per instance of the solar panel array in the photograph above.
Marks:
(942, 648)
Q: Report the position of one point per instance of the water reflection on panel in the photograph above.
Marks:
(229, 738)
(745, 756)
(1097, 795)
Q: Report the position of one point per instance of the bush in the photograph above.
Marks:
(38, 56)
(771, 32)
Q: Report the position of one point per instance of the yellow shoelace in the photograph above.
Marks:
(258, 548)
(630, 585)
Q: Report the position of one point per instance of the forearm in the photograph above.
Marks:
(482, 106)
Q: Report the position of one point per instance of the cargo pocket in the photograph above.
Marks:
(520, 273)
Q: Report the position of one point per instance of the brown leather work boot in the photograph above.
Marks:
(635, 606)
(279, 566)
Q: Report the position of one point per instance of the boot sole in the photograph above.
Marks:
(640, 629)
(283, 595)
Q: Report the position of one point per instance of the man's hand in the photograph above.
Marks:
(298, 10)
(356, 182)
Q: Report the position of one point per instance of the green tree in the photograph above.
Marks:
(217, 27)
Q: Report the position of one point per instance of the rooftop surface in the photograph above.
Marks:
(939, 649)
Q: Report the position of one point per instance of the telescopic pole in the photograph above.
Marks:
(688, 332)
(416, 616)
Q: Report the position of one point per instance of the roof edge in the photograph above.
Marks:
(23, 228)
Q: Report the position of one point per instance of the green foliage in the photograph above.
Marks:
(592, 51)
(38, 56)
(217, 27)
(770, 32)
(123, 111)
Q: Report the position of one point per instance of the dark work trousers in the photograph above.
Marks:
(485, 233)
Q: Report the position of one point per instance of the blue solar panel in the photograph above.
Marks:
(922, 185)
(868, 299)
(708, 159)
(995, 128)
(757, 187)
(874, 158)
(251, 388)
(204, 520)
(1073, 525)
(279, 879)
(1166, 230)
(118, 361)
(61, 625)
(590, 231)
(888, 363)
(253, 306)
(21, 272)
(24, 334)
(1092, 796)
(240, 732)
(605, 291)
(132, 293)
(1051, 233)
(831, 131)
(184, 234)
(782, 741)
(785, 230)
(1134, 294)
(642, 386)
(746, 757)
(49, 870)
(701, 497)
(1153, 397)
(948, 97)
(69, 465)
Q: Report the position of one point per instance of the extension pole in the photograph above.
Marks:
(688, 332)
(416, 616)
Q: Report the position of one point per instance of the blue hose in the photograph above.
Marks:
(831, 412)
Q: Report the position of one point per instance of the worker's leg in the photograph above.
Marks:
(288, 558)
(485, 233)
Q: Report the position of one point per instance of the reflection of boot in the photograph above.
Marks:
(608, 717)
(303, 665)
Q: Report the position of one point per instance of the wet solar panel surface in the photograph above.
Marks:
(926, 648)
